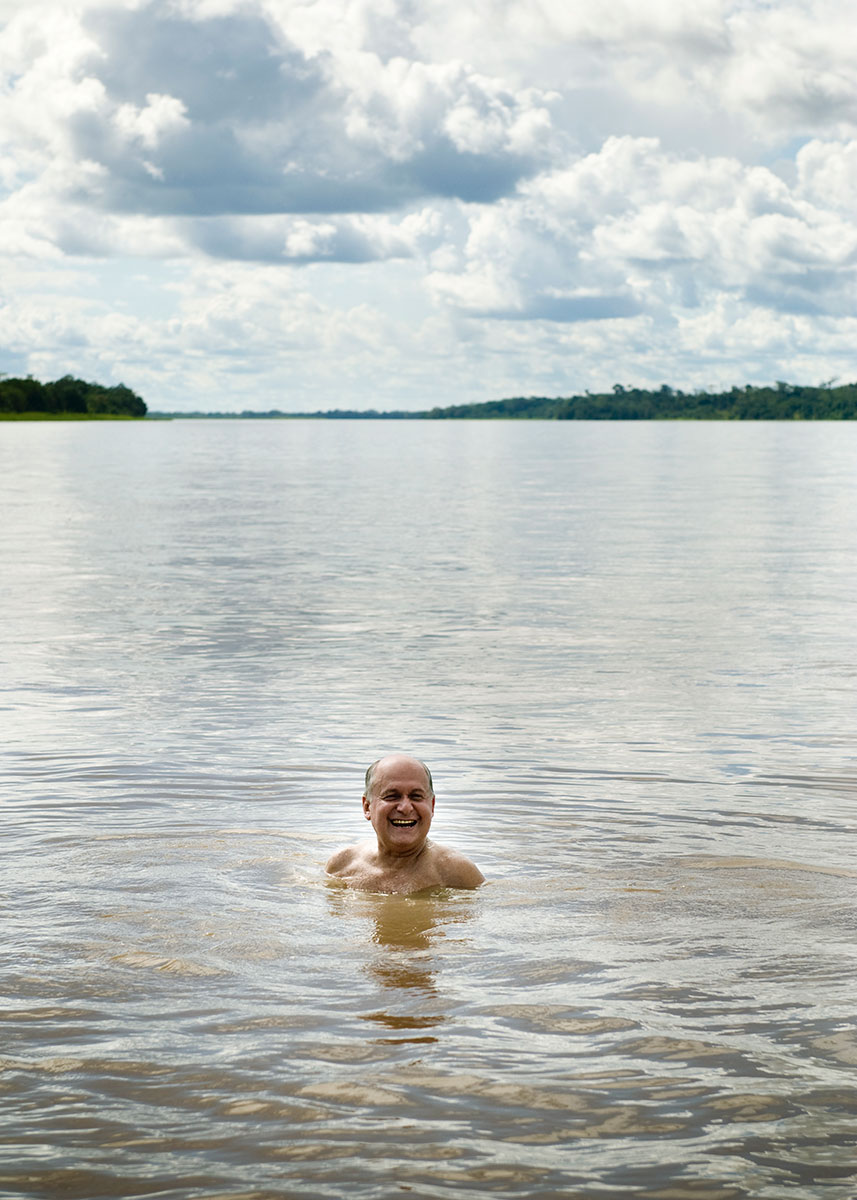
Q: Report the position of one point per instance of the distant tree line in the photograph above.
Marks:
(783, 401)
(69, 396)
(330, 414)
(780, 402)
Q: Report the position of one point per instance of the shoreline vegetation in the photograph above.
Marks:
(781, 402)
(70, 399)
(67, 399)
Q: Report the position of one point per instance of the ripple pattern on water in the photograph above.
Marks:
(628, 653)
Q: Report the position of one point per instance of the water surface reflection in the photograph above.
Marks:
(628, 654)
(406, 935)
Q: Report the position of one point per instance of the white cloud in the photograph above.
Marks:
(403, 108)
(354, 239)
(827, 175)
(634, 229)
(791, 67)
(161, 116)
(45, 83)
(390, 197)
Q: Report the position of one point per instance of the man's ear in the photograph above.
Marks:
(366, 812)
(432, 806)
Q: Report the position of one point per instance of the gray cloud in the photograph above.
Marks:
(485, 192)
(268, 129)
(566, 309)
(226, 69)
(296, 241)
(477, 178)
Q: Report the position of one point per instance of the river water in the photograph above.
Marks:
(628, 652)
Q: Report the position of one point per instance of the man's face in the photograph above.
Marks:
(399, 804)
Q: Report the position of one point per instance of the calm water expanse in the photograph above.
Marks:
(629, 654)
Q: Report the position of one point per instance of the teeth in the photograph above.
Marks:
(394, 822)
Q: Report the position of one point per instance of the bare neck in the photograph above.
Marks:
(393, 860)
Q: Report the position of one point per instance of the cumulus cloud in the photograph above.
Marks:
(466, 195)
(782, 68)
(160, 117)
(454, 132)
(827, 174)
(634, 229)
(354, 239)
(200, 111)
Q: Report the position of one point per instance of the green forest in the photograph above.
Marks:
(27, 399)
(782, 402)
(22, 399)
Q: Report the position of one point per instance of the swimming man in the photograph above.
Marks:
(399, 801)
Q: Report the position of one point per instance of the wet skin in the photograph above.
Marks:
(399, 805)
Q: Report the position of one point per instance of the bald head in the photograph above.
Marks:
(399, 805)
(389, 760)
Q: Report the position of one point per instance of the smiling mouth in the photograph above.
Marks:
(402, 823)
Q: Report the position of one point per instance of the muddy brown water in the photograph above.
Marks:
(628, 652)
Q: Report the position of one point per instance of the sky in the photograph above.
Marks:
(397, 204)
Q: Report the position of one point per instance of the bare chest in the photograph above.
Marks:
(370, 878)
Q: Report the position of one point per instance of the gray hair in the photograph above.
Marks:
(370, 772)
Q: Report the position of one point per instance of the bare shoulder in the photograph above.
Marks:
(455, 869)
(342, 861)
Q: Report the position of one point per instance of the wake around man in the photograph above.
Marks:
(399, 801)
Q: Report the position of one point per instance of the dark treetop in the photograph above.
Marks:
(67, 397)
